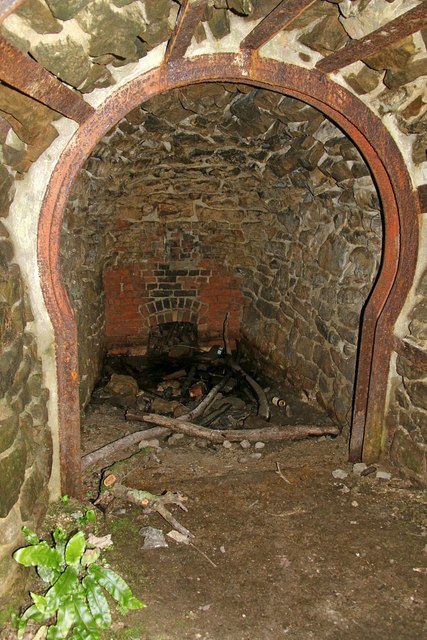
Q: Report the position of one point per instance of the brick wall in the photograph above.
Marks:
(186, 288)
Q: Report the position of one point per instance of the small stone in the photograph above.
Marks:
(227, 444)
(259, 445)
(122, 385)
(222, 549)
(383, 475)
(256, 456)
(344, 489)
(154, 443)
(354, 503)
(175, 438)
(242, 460)
(358, 467)
(245, 444)
(339, 474)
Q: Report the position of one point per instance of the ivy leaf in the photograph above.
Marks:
(75, 548)
(38, 554)
(98, 604)
(116, 587)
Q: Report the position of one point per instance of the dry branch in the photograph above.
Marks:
(263, 409)
(149, 501)
(236, 435)
(104, 453)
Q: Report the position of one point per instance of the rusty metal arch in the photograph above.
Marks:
(400, 206)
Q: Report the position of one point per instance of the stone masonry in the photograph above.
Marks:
(243, 188)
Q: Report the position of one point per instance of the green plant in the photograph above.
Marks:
(75, 602)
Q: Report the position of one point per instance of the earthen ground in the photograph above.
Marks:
(313, 558)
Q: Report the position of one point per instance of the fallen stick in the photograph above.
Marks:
(270, 434)
(280, 474)
(149, 501)
(263, 409)
(104, 453)
(207, 400)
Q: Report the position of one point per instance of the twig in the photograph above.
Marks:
(225, 335)
(204, 555)
(280, 474)
(133, 439)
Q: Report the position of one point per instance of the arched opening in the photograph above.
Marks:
(392, 182)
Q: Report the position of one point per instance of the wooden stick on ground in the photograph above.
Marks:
(263, 409)
(149, 501)
(236, 435)
(104, 453)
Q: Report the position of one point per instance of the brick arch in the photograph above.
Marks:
(400, 206)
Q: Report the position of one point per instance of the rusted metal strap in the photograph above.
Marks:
(405, 25)
(189, 16)
(7, 6)
(26, 75)
(285, 12)
(411, 352)
(422, 195)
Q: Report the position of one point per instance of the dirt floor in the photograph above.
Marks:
(302, 556)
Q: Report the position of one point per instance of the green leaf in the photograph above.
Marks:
(48, 575)
(32, 613)
(30, 536)
(98, 604)
(75, 548)
(116, 587)
(38, 554)
(85, 623)
(66, 585)
(90, 515)
(64, 621)
(41, 604)
(60, 539)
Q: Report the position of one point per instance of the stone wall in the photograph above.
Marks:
(245, 185)
(25, 441)
(407, 419)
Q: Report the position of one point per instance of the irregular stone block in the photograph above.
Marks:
(6, 186)
(218, 21)
(410, 457)
(394, 57)
(156, 10)
(38, 16)
(417, 391)
(65, 59)
(30, 120)
(8, 426)
(333, 254)
(12, 472)
(31, 492)
(110, 32)
(66, 9)
(99, 77)
(410, 72)
(242, 7)
(326, 36)
(364, 81)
